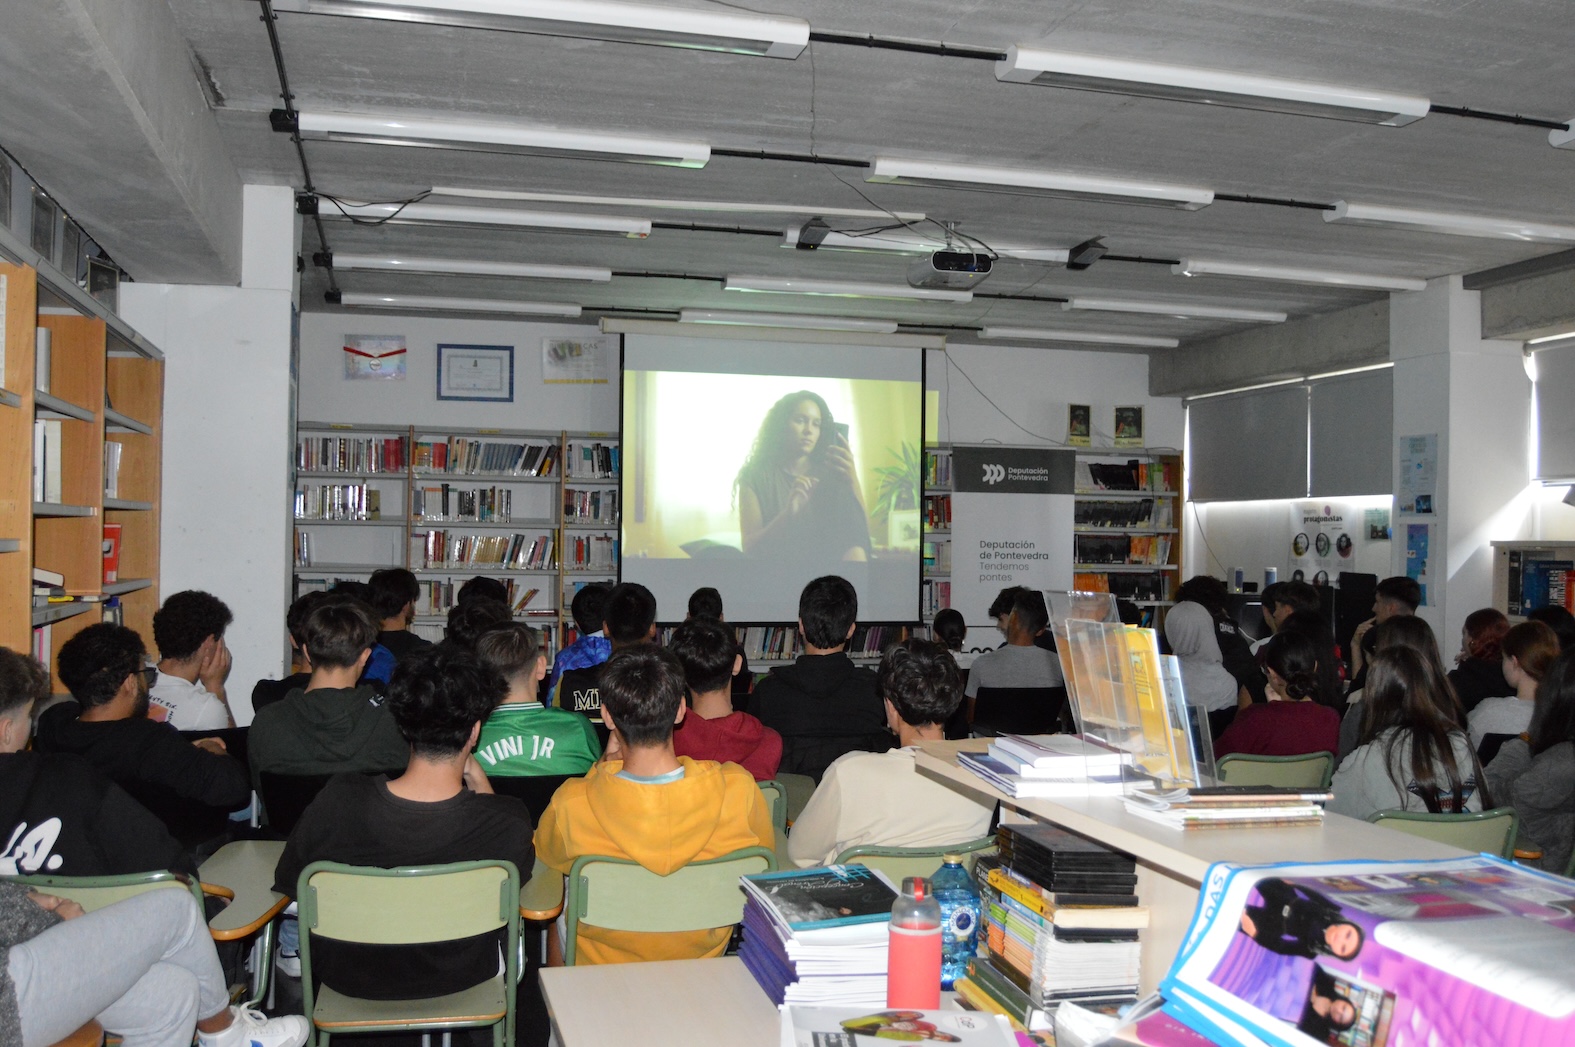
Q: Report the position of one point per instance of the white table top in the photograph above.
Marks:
(668, 1003)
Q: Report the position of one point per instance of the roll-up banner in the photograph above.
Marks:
(1011, 523)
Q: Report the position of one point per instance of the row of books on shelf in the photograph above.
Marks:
(438, 597)
(594, 461)
(519, 552)
(590, 552)
(446, 502)
(938, 511)
(782, 643)
(48, 439)
(936, 557)
(1139, 585)
(935, 594)
(471, 456)
(1133, 513)
(350, 454)
(1134, 475)
(338, 502)
(1147, 549)
(937, 469)
(599, 506)
(1536, 583)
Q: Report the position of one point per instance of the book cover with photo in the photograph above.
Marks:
(833, 896)
(1380, 954)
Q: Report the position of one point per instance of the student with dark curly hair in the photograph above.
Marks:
(193, 662)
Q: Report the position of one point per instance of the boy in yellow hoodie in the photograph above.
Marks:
(648, 805)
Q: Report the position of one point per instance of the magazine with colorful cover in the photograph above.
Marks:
(864, 1027)
(1380, 954)
(801, 900)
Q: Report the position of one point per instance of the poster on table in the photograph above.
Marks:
(1321, 541)
(1011, 523)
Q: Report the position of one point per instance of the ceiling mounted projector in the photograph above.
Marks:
(952, 270)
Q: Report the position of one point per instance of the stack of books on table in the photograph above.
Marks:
(838, 1026)
(1049, 765)
(1230, 806)
(818, 936)
(1061, 923)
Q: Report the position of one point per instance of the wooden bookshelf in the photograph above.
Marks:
(1150, 580)
(16, 467)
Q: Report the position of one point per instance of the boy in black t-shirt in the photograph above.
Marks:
(629, 617)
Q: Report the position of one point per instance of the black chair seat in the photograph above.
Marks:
(1019, 710)
(285, 798)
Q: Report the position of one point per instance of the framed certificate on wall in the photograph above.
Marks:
(475, 372)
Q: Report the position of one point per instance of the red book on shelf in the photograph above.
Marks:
(111, 552)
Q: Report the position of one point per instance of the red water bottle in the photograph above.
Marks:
(913, 957)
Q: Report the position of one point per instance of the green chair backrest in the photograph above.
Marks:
(776, 803)
(435, 903)
(95, 892)
(621, 895)
(898, 862)
(1491, 831)
(800, 787)
(1309, 771)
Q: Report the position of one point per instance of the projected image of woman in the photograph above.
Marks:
(798, 491)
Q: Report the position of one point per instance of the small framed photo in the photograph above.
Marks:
(1079, 425)
(475, 372)
(1129, 427)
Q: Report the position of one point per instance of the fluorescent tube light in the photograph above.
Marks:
(1564, 139)
(489, 136)
(914, 243)
(456, 305)
(1551, 338)
(841, 288)
(1037, 183)
(1452, 224)
(1033, 65)
(1293, 275)
(405, 264)
(1181, 310)
(798, 320)
(656, 204)
(1034, 334)
(448, 214)
(737, 32)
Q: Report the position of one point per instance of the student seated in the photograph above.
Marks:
(1235, 651)
(267, 692)
(1020, 664)
(393, 592)
(1536, 772)
(950, 630)
(1396, 597)
(191, 786)
(593, 647)
(59, 816)
(1527, 652)
(823, 705)
(468, 620)
(481, 587)
(440, 810)
(332, 724)
(1479, 668)
(1190, 631)
(188, 693)
(1283, 599)
(1561, 621)
(1290, 723)
(879, 798)
(1412, 632)
(144, 967)
(380, 664)
(647, 804)
(712, 730)
(706, 602)
(1411, 754)
(629, 618)
(522, 738)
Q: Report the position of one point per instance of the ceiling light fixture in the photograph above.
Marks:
(1034, 334)
(736, 32)
(455, 305)
(490, 136)
(1563, 139)
(1180, 310)
(1033, 65)
(447, 214)
(1451, 224)
(916, 243)
(796, 320)
(405, 264)
(1561, 336)
(841, 288)
(1037, 183)
(1293, 275)
(655, 204)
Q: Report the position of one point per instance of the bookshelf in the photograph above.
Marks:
(1126, 530)
(935, 588)
(589, 536)
(86, 478)
(1529, 574)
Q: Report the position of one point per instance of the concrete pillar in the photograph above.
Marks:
(1473, 394)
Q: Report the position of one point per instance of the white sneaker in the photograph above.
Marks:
(288, 964)
(252, 1028)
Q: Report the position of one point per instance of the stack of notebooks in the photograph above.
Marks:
(818, 936)
(1230, 806)
(1049, 765)
(1061, 923)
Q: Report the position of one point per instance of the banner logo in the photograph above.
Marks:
(994, 474)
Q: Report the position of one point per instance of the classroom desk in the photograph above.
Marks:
(1173, 862)
(667, 1003)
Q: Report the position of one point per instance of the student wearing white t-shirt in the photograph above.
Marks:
(1528, 651)
(193, 663)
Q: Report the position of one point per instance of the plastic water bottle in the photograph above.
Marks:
(959, 900)
(913, 957)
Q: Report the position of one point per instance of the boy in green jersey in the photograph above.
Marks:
(522, 738)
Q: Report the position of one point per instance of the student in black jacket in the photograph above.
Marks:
(191, 786)
(58, 815)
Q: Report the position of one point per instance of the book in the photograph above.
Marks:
(1055, 751)
(1019, 787)
(800, 900)
(112, 552)
(854, 1026)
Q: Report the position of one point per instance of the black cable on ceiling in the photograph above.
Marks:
(270, 19)
(1503, 118)
(797, 158)
(1139, 259)
(982, 54)
(1273, 201)
(696, 227)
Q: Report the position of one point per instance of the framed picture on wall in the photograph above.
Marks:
(475, 372)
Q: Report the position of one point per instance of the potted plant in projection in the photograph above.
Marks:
(897, 498)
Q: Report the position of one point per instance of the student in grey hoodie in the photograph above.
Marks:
(332, 725)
